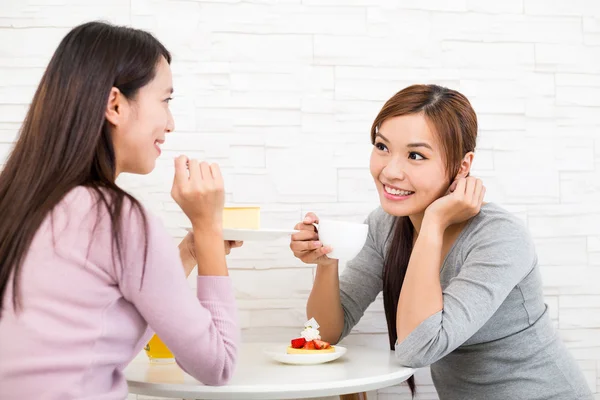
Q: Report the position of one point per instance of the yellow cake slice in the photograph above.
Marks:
(291, 350)
(241, 218)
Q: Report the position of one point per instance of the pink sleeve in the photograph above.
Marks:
(202, 332)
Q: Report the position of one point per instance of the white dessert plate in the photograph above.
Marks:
(278, 353)
(255, 235)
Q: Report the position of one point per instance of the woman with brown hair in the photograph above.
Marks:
(461, 285)
(86, 273)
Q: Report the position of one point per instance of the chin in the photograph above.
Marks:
(147, 171)
(395, 209)
(144, 169)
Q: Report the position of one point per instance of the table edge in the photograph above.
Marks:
(270, 391)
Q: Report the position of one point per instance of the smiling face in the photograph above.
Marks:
(140, 124)
(423, 139)
(408, 165)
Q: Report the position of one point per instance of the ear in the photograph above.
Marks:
(465, 165)
(115, 107)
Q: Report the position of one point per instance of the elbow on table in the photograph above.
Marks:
(216, 373)
(218, 377)
(426, 344)
(219, 380)
(413, 360)
(415, 353)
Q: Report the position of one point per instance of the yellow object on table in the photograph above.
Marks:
(291, 350)
(157, 351)
(241, 217)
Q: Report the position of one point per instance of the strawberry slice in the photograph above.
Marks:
(309, 345)
(298, 343)
(321, 344)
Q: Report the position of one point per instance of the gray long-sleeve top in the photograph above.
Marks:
(494, 338)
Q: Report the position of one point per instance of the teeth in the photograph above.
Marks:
(397, 192)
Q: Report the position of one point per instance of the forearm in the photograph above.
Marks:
(210, 252)
(421, 294)
(324, 302)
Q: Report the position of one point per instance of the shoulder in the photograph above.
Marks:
(499, 233)
(80, 198)
(495, 220)
(93, 203)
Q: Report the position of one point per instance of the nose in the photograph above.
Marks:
(394, 170)
(170, 123)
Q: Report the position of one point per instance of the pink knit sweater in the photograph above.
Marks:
(84, 317)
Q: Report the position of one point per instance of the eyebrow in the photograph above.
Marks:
(420, 144)
(378, 134)
(410, 145)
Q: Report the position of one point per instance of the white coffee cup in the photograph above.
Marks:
(345, 238)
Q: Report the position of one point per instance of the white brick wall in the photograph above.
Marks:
(282, 95)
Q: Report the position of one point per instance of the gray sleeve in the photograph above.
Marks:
(362, 279)
(499, 254)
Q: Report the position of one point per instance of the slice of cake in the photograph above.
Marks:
(241, 218)
(310, 341)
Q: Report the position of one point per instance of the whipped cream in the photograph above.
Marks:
(311, 330)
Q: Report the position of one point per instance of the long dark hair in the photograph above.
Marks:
(65, 140)
(455, 124)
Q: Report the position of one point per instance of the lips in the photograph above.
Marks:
(394, 191)
(157, 144)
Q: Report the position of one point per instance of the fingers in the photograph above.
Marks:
(308, 232)
(301, 226)
(206, 172)
(232, 244)
(209, 178)
(304, 235)
(470, 188)
(181, 174)
(311, 218)
(461, 185)
(452, 187)
(477, 191)
(198, 189)
(306, 225)
(474, 193)
(205, 177)
(235, 244)
(473, 189)
(303, 246)
(195, 173)
(217, 176)
(311, 257)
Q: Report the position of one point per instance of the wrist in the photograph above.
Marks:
(207, 229)
(328, 263)
(210, 250)
(326, 268)
(433, 221)
(433, 226)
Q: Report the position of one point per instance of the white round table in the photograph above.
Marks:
(257, 376)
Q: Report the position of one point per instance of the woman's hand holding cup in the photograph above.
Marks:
(306, 245)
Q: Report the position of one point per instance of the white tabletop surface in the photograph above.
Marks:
(257, 376)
